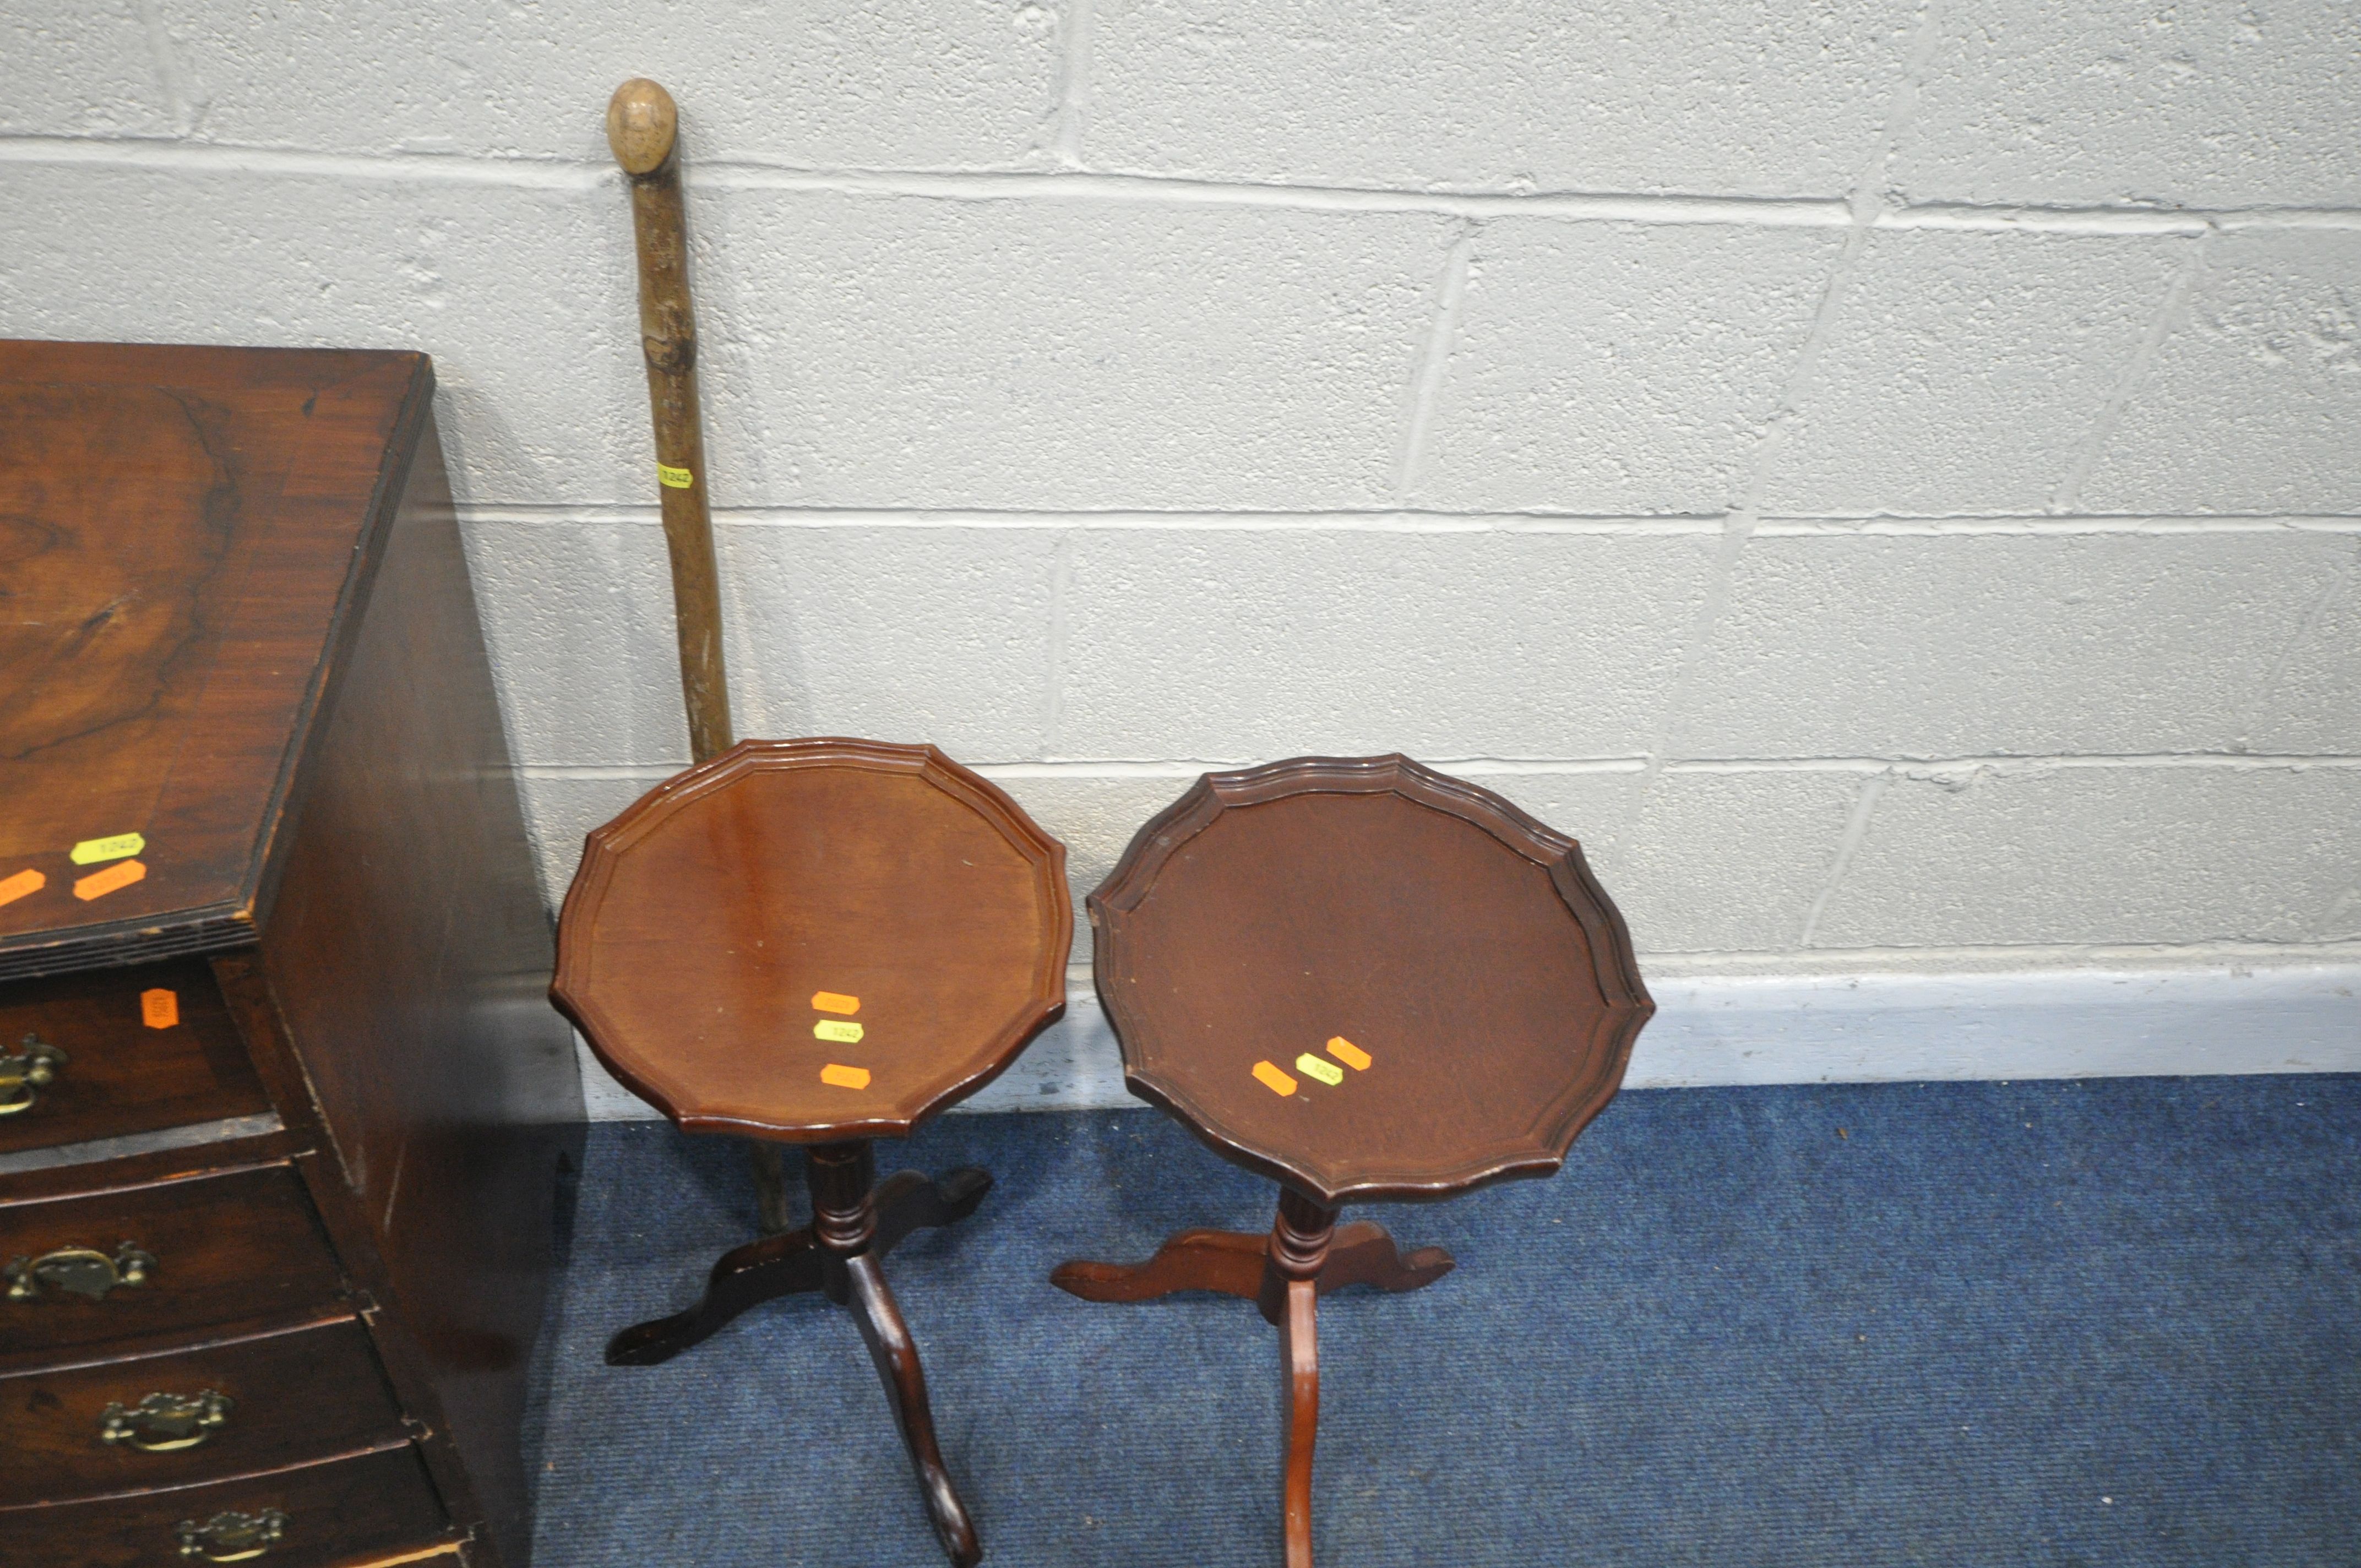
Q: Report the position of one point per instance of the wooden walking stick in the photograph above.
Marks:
(643, 130)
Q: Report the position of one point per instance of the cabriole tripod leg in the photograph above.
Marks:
(896, 1359)
(1299, 1346)
(746, 1277)
(1290, 1297)
(844, 1218)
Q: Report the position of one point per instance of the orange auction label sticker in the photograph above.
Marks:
(159, 1009)
(845, 1077)
(1351, 1055)
(1272, 1079)
(98, 884)
(27, 881)
(835, 1001)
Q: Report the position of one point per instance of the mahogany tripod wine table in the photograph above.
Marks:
(1368, 981)
(819, 942)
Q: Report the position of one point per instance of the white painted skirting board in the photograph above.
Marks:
(1856, 1028)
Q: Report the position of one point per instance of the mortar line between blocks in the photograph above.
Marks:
(1053, 697)
(1075, 24)
(1683, 966)
(1406, 520)
(2135, 373)
(171, 80)
(1696, 644)
(2329, 593)
(1628, 766)
(1435, 360)
(1856, 829)
(1967, 961)
(1963, 965)
(1607, 206)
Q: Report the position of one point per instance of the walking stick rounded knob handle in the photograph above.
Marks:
(643, 123)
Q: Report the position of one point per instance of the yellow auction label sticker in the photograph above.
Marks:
(23, 885)
(1351, 1055)
(835, 1002)
(845, 1077)
(90, 851)
(1325, 1071)
(674, 478)
(838, 1030)
(1272, 1079)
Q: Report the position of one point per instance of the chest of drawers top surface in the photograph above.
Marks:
(186, 539)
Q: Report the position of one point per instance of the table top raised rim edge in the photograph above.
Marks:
(922, 759)
(1630, 1005)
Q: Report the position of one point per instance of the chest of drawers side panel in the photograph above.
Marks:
(407, 956)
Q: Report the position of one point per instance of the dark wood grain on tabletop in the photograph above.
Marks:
(706, 918)
(1458, 945)
(184, 521)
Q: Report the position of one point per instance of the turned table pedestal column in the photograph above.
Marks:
(820, 942)
(1368, 981)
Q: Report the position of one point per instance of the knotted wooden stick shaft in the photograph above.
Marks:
(643, 129)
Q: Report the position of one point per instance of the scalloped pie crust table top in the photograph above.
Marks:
(814, 940)
(1481, 985)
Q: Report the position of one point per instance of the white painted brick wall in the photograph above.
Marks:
(1757, 97)
(1614, 367)
(2251, 399)
(1886, 477)
(80, 70)
(2067, 854)
(950, 85)
(1056, 354)
(2220, 105)
(1966, 372)
(2022, 644)
(1454, 644)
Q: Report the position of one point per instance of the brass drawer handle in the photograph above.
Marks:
(77, 1270)
(233, 1537)
(23, 1076)
(166, 1423)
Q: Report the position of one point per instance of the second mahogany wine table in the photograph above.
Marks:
(1368, 981)
(820, 942)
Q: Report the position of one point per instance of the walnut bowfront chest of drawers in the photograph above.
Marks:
(281, 1104)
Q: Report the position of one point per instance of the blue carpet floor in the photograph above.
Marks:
(2066, 1324)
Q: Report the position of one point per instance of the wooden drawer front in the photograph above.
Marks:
(232, 1249)
(126, 1068)
(287, 1398)
(347, 1511)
